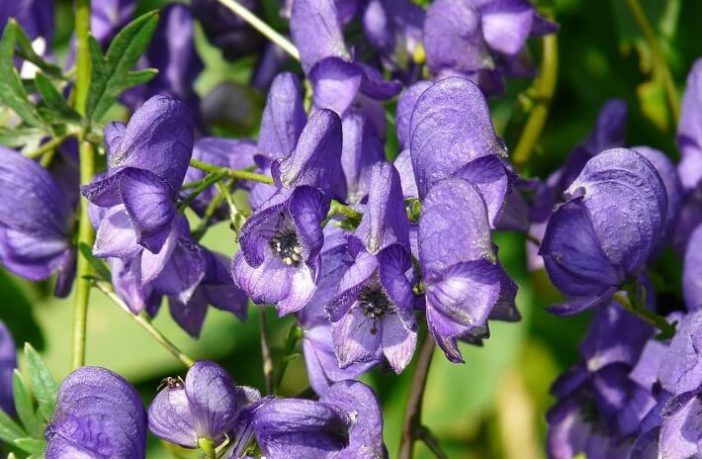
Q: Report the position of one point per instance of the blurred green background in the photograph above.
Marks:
(494, 405)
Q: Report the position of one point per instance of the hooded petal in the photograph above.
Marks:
(403, 164)
(8, 363)
(98, 414)
(316, 160)
(507, 25)
(690, 130)
(212, 398)
(450, 127)
(171, 418)
(362, 148)
(316, 31)
(405, 106)
(283, 118)
(336, 84)
(301, 428)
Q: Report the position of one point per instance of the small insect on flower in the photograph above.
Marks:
(171, 383)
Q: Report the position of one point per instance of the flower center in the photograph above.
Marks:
(374, 303)
(286, 246)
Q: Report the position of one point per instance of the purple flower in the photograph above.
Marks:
(226, 30)
(281, 242)
(207, 405)
(692, 274)
(147, 161)
(373, 311)
(451, 135)
(606, 231)
(98, 414)
(394, 28)
(8, 363)
(316, 31)
(363, 147)
(36, 220)
(482, 39)
(690, 130)
(463, 281)
(346, 423)
(108, 17)
(35, 16)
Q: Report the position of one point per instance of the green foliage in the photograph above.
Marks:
(112, 73)
(44, 385)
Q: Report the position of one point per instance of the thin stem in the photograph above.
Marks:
(432, 443)
(82, 26)
(345, 211)
(640, 310)
(212, 207)
(47, 147)
(544, 88)
(660, 63)
(232, 173)
(146, 324)
(413, 413)
(294, 336)
(204, 184)
(266, 30)
(266, 352)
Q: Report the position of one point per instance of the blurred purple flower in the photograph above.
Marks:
(395, 29)
(108, 17)
(36, 220)
(35, 16)
(690, 130)
(8, 363)
(98, 415)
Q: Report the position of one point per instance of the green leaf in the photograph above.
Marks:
(9, 430)
(43, 382)
(12, 92)
(20, 137)
(25, 50)
(25, 406)
(96, 263)
(31, 445)
(112, 73)
(54, 100)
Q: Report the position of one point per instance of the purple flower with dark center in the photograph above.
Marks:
(206, 406)
(227, 31)
(98, 415)
(172, 52)
(482, 39)
(36, 220)
(280, 243)
(346, 423)
(147, 161)
(451, 135)
(8, 363)
(462, 278)
(232, 153)
(603, 235)
(373, 312)
(690, 130)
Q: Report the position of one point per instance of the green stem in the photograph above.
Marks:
(212, 207)
(661, 65)
(262, 27)
(204, 184)
(86, 233)
(146, 324)
(636, 307)
(47, 147)
(294, 336)
(345, 211)
(544, 88)
(266, 353)
(232, 173)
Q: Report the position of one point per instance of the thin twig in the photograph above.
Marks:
(430, 440)
(262, 27)
(413, 412)
(47, 147)
(207, 182)
(240, 174)
(266, 352)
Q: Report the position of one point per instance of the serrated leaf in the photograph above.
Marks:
(54, 100)
(31, 445)
(9, 430)
(12, 92)
(43, 383)
(96, 263)
(24, 404)
(112, 73)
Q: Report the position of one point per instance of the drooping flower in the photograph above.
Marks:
(206, 406)
(603, 235)
(280, 243)
(690, 130)
(8, 363)
(462, 278)
(373, 311)
(36, 220)
(98, 415)
(451, 135)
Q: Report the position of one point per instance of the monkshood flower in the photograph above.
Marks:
(605, 232)
(207, 407)
(280, 243)
(172, 52)
(147, 161)
(317, 345)
(482, 39)
(690, 130)
(451, 135)
(8, 363)
(36, 219)
(98, 415)
(231, 153)
(227, 31)
(373, 311)
(346, 423)
(462, 278)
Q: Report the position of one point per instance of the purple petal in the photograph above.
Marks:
(8, 363)
(33, 256)
(681, 368)
(336, 84)
(184, 271)
(116, 236)
(398, 342)
(308, 207)
(692, 271)
(490, 176)
(191, 315)
(171, 418)
(98, 414)
(507, 25)
(356, 338)
(316, 31)
(212, 399)
(403, 164)
(127, 280)
(283, 118)
(405, 106)
(690, 130)
(362, 148)
(681, 426)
